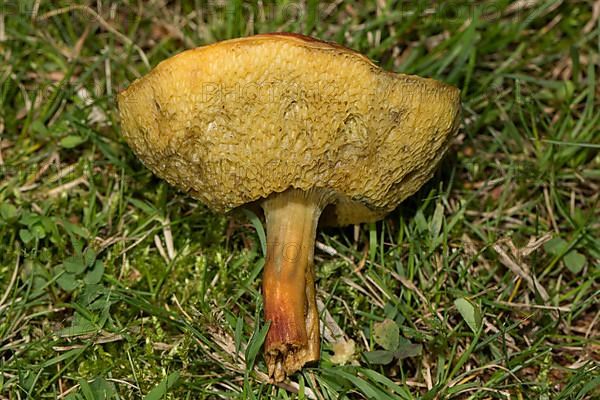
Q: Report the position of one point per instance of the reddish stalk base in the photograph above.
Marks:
(288, 282)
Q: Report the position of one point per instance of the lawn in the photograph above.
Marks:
(483, 285)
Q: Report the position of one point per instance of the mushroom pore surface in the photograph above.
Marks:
(234, 122)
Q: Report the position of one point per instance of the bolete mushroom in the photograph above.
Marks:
(309, 131)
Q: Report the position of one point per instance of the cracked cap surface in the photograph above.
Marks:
(234, 122)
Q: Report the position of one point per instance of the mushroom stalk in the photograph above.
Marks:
(288, 280)
(362, 154)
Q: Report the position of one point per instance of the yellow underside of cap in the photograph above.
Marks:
(234, 122)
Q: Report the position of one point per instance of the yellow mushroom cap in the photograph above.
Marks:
(234, 122)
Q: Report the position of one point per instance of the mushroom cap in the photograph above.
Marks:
(236, 121)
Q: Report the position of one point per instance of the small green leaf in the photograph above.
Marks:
(260, 231)
(49, 225)
(26, 379)
(89, 256)
(565, 91)
(387, 334)
(470, 313)
(89, 294)
(406, 349)
(160, 391)
(74, 264)
(379, 357)
(38, 231)
(421, 222)
(25, 236)
(86, 389)
(67, 282)
(95, 275)
(75, 229)
(556, 246)
(29, 219)
(80, 327)
(77, 245)
(254, 345)
(8, 212)
(103, 389)
(68, 142)
(575, 261)
(436, 221)
(38, 126)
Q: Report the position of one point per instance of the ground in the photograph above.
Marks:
(483, 285)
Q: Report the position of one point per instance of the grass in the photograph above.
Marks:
(484, 285)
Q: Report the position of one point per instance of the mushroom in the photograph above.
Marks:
(307, 130)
